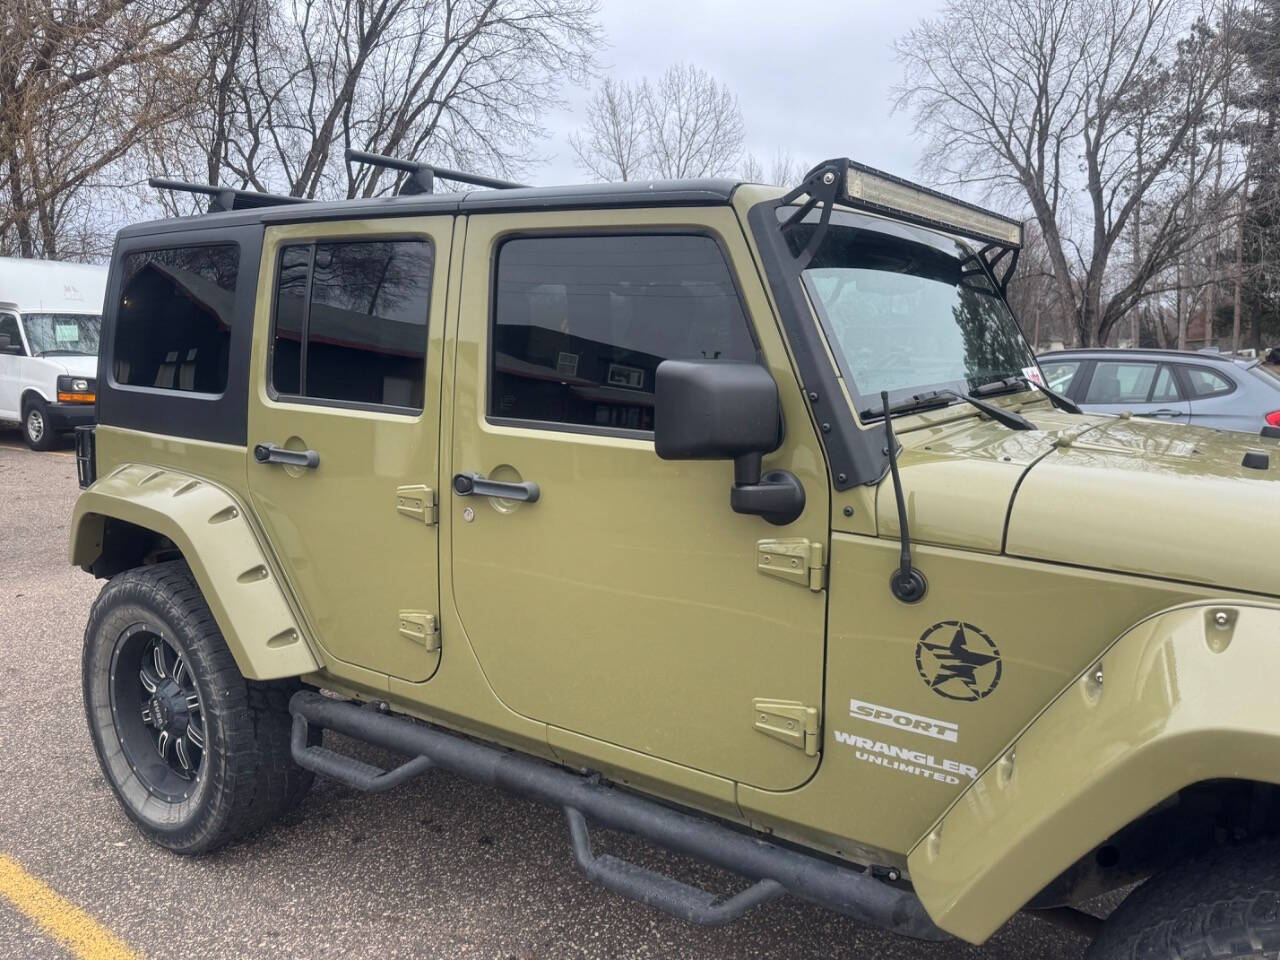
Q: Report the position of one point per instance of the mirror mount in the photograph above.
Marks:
(725, 410)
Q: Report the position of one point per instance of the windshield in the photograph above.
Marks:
(62, 334)
(908, 310)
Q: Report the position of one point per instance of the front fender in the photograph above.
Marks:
(207, 524)
(1184, 696)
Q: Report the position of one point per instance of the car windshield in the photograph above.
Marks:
(908, 311)
(62, 334)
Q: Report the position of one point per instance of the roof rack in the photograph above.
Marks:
(422, 176)
(226, 198)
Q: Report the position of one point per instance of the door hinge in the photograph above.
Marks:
(791, 722)
(794, 559)
(417, 501)
(420, 627)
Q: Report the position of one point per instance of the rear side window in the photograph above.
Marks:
(173, 326)
(1207, 383)
(1058, 374)
(581, 323)
(351, 322)
(1121, 382)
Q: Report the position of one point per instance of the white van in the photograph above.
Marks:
(50, 318)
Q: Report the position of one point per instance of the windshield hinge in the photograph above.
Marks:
(418, 502)
(793, 558)
(789, 721)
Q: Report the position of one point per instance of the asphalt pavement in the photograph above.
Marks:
(439, 868)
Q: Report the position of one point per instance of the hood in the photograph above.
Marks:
(75, 366)
(1154, 499)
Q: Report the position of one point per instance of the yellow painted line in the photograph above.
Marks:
(61, 919)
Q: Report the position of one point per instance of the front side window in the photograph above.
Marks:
(1121, 382)
(173, 329)
(351, 322)
(581, 323)
(9, 328)
(908, 310)
(62, 334)
(1058, 374)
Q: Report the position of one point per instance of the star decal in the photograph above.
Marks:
(963, 664)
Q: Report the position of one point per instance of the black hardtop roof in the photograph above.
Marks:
(636, 193)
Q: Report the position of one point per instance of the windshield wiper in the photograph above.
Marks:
(1006, 384)
(942, 398)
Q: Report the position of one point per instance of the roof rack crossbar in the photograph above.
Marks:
(422, 175)
(225, 198)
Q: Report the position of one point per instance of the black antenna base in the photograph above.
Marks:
(909, 586)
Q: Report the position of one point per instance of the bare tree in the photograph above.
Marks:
(614, 145)
(1039, 100)
(80, 85)
(784, 171)
(684, 124)
(463, 83)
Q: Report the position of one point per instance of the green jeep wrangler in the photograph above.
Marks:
(733, 517)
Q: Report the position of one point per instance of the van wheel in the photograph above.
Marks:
(1226, 904)
(35, 425)
(197, 755)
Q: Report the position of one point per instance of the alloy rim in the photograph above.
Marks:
(35, 425)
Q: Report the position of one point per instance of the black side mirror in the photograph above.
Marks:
(724, 410)
(7, 345)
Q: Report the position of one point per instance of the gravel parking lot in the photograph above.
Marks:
(438, 868)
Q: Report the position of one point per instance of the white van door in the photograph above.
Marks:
(10, 368)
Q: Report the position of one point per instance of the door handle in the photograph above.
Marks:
(271, 453)
(468, 484)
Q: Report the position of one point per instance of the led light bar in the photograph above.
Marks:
(880, 192)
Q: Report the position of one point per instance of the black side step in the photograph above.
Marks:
(773, 868)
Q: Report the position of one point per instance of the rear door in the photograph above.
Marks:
(1142, 387)
(346, 373)
(1217, 401)
(627, 603)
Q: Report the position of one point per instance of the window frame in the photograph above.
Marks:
(1182, 373)
(211, 418)
(115, 384)
(411, 413)
(571, 233)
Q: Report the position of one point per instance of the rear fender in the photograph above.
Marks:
(1185, 696)
(208, 525)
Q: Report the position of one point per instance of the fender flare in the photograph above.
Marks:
(1184, 696)
(209, 526)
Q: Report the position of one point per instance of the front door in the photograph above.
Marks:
(11, 363)
(625, 603)
(344, 428)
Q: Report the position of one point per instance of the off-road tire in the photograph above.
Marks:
(246, 777)
(1224, 905)
(44, 436)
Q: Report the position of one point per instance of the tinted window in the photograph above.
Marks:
(1207, 383)
(351, 321)
(9, 328)
(1058, 374)
(173, 329)
(1121, 382)
(581, 324)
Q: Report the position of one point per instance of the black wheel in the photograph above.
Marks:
(36, 429)
(197, 755)
(1224, 905)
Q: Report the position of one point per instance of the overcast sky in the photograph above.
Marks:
(813, 78)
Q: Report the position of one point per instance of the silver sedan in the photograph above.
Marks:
(1205, 389)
